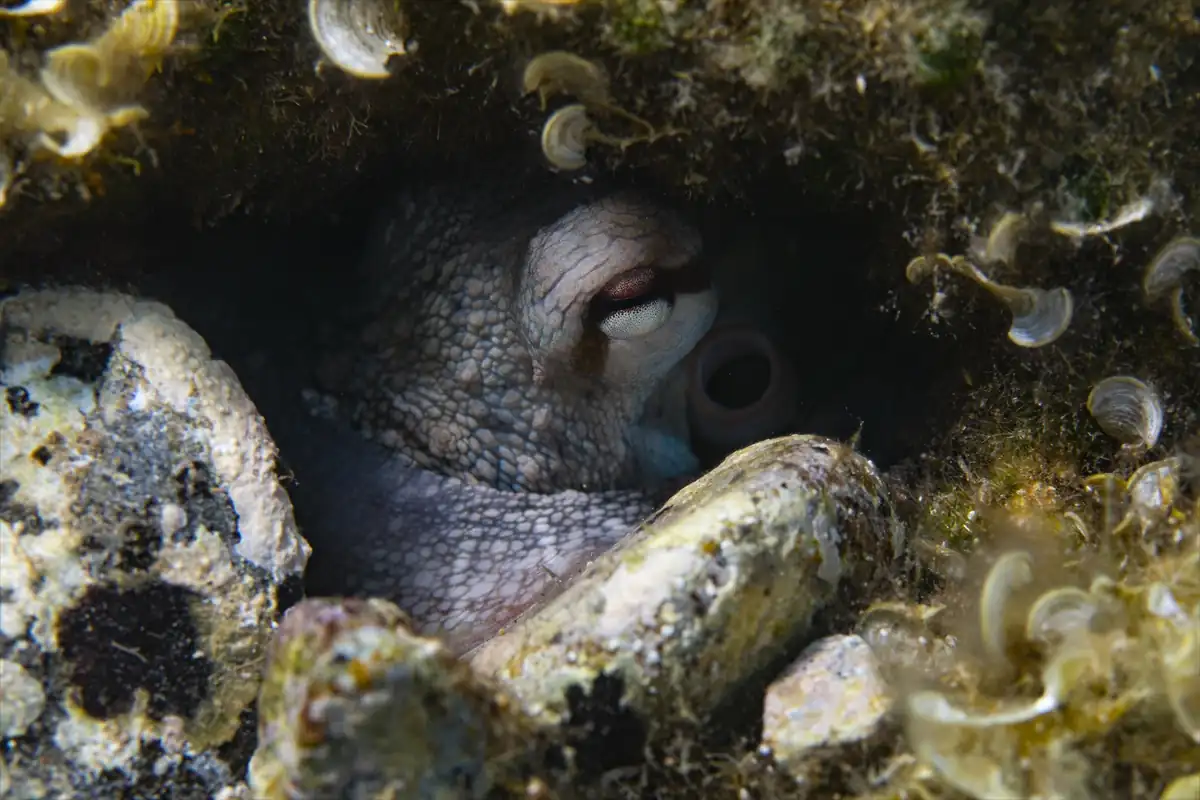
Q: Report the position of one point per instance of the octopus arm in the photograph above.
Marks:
(461, 559)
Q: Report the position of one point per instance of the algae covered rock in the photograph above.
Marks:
(355, 705)
(146, 548)
(708, 591)
(945, 113)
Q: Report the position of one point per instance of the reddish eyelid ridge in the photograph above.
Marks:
(627, 285)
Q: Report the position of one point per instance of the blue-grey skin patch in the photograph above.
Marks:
(489, 438)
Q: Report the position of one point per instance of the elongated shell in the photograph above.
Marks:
(1164, 278)
(359, 36)
(1127, 410)
(564, 137)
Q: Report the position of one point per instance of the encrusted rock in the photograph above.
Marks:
(355, 705)
(706, 593)
(146, 549)
(832, 695)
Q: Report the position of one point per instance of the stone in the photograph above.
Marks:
(832, 695)
(146, 548)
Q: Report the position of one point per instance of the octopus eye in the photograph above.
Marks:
(636, 321)
(633, 304)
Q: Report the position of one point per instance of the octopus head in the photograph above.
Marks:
(614, 290)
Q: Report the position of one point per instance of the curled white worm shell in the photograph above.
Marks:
(1042, 317)
(564, 137)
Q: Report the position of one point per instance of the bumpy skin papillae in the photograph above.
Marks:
(512, 450)
(480, 360)
(461, 559)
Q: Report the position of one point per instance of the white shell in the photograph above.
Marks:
(1127, 410)
(1156, 487)
(33, 8)
(636, 321)
(1040, 316)
(564, 137)
(1044, 316)
(1010, 572)
(358, 36)
(1127, 214)
(1164, 279)
(1059, 614)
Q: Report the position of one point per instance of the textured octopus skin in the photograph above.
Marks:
(490, 441)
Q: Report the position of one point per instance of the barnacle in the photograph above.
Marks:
(1039, 316)
(33, 8)
(1164, 277)
(1127, 410)
(359, 36)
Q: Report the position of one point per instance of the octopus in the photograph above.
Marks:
(516, 378)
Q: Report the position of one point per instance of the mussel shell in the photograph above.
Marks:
(1164, 280)
(1165, 272)
(1127, 410)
